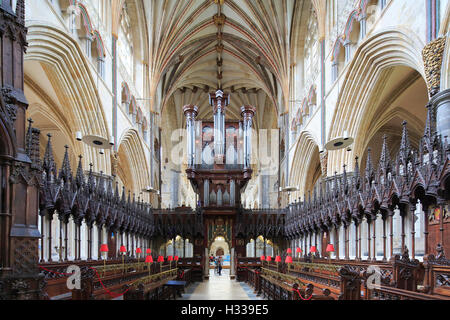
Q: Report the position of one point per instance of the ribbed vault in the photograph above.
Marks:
(252, 49)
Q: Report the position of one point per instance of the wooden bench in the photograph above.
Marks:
(106, 283)
(322, 276)
(176, 288)
(195, 265)
(55, 275)
(390, 293)
(436, 275)
(185, 275)
(278, 286)
(151, 287)
(242, 266)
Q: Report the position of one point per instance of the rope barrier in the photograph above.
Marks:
(300, 295)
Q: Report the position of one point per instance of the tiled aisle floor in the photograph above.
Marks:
(219, 288)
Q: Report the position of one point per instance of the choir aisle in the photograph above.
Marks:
(219, 288)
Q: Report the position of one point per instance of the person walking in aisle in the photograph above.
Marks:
(219, 264)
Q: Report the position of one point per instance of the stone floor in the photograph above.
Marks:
(219, 288)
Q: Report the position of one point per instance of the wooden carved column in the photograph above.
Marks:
(49, 238)
(90, 242)
(79, 240)
(19, 232)
(359, 240)
(128, 240)
(42, 239)
(412, 209)
(347, 242)
(100, 240)
(426, 231)
(391, 234)
(75, 227)
(441, 204)
(369, 251)
(384, 217)
(66, 240)
(264, 248)
(374, 238)
(336, 230)
(402, 214)
(60, 250)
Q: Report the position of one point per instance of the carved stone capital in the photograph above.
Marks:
(432, 56)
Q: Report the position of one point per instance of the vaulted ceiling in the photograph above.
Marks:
(240, 46)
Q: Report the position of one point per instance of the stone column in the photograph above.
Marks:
(219, 101)
(362, 27)
(441, 106)
(88, 45)
(190, 111)
(334, 70)
(348, 51)
(248, 112)
(433, 55)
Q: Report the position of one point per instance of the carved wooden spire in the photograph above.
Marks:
(49, 164)
(101, 184)
(345, 180)
(123, 198)
(405, 147)
(335, 186)
(109, 190)
(29, 138)
(32, 145)
(385, 158)
(321, 191)
(429, 123)
(91, 179)
(116, 192)
(65, 173)
(369, 166)
(79, 179)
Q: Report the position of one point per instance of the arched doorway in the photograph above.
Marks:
(220, 248)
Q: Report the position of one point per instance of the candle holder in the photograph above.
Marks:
(149, 260)
(313, 250)
(104, 250)
(123, 250)
(138, 253)
(330, 249)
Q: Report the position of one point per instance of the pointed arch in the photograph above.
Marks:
(386, 49)
(133, 163)
(305, 154)
(70, 76)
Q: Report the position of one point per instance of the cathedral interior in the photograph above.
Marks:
(269, 150)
